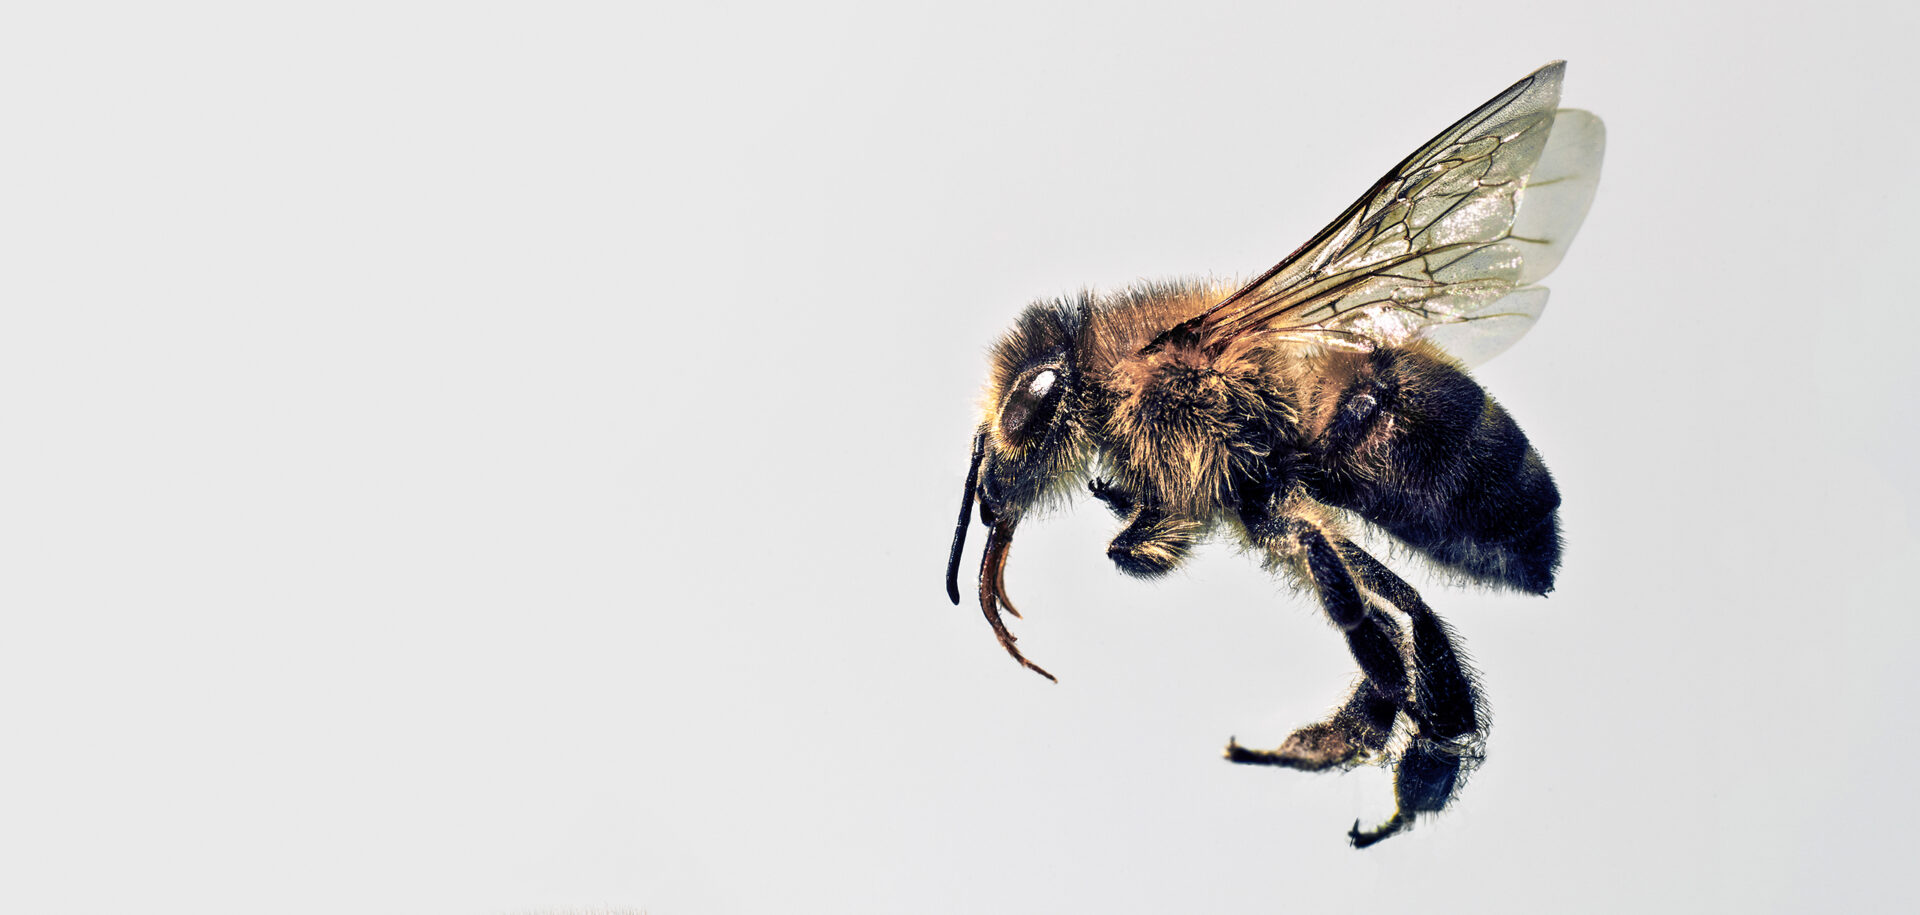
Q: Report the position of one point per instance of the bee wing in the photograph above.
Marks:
(1484, 334)
(1452, 235)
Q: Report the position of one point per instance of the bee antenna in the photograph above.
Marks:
(966, 515)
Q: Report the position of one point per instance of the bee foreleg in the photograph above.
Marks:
(1118, 500)
(1153, 543)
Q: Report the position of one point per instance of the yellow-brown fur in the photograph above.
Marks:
(1184, 420)
(1175, 424)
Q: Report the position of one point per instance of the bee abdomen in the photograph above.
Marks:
(1417, 447)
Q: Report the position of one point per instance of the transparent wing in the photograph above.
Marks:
(1453, 235)
(1484, 334)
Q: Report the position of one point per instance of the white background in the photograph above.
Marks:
(501, 457)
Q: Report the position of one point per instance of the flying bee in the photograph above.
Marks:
(1327, 396)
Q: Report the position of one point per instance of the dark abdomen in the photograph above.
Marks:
(1415, 446)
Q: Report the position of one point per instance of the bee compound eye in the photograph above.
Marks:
(1030, 407)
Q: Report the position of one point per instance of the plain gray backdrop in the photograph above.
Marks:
(501, 457)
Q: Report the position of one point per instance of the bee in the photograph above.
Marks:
(1327, 397)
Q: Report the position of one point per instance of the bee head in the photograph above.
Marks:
(1031, 440)
(1028, 445)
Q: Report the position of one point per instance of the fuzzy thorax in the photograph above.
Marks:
(1187, 421)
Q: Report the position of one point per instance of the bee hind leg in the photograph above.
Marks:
(1424, 781)
(1449, 720)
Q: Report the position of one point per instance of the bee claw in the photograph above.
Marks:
(1111, 496)
(1392, 827)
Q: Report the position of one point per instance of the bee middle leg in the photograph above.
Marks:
(1437, 692)
(1364, 724)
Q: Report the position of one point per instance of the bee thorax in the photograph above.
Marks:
(1185, 421)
